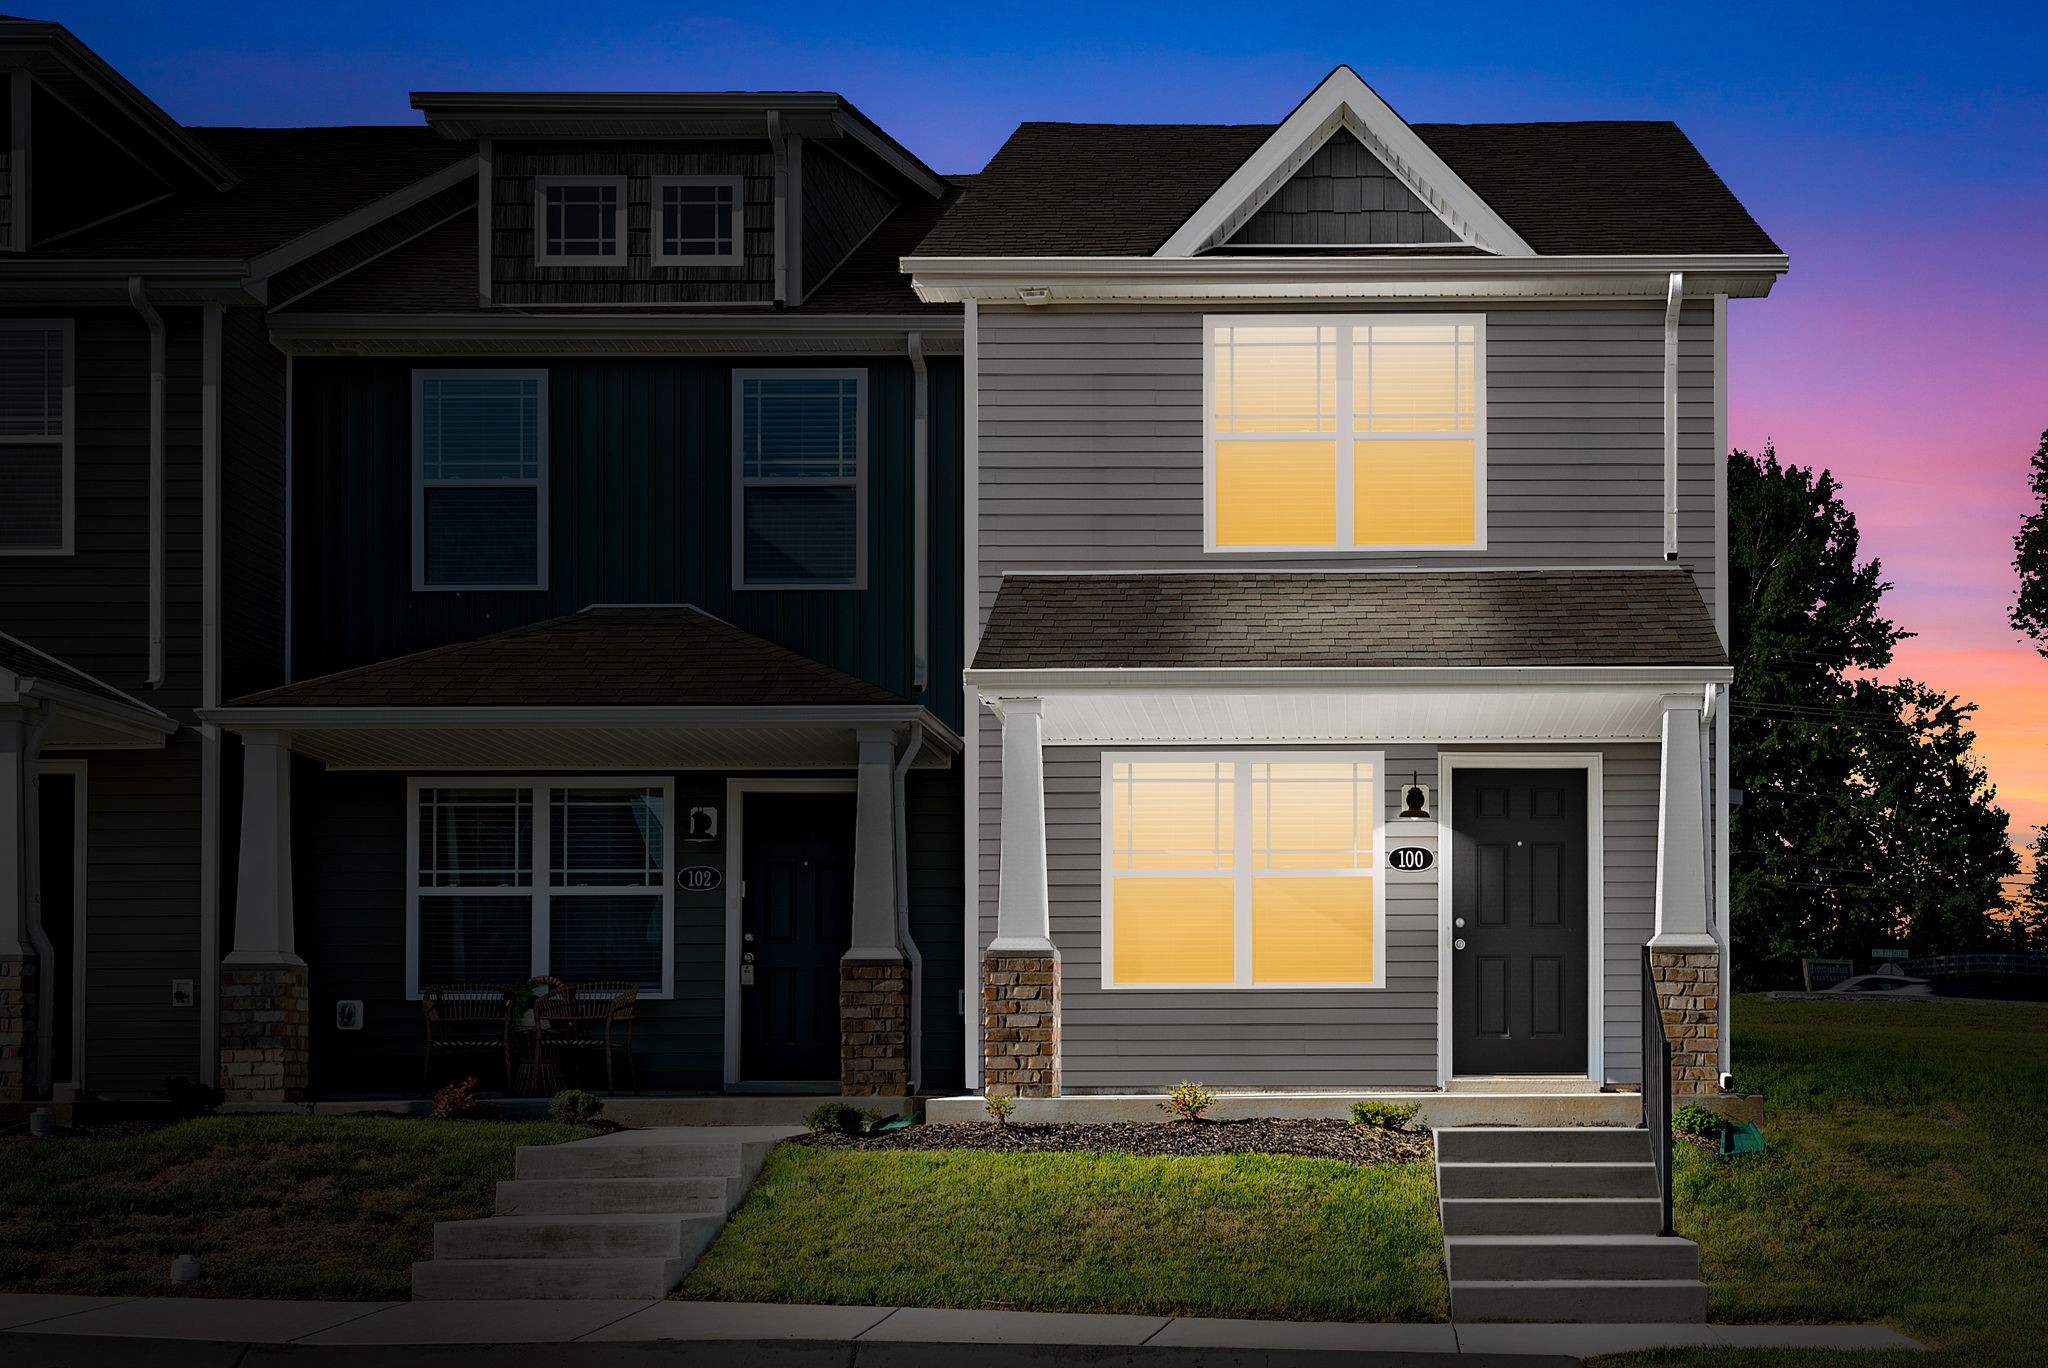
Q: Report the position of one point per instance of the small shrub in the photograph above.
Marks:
(1391, 1116)
(835, 1118)
(1188, 1101)
(191, 1099)
(1693, 1119)
(459, 1102)
(870, 1119)
(575, 1107)
(999, 1105)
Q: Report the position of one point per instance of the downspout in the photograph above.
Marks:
(139, 297)
(920, 532)
(780, 142)
(915, 1026)
(1674, 299)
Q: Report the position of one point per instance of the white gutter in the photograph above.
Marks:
(914, 1027)
(138, 296)
(920, 517)
(780, 142)
(1650, 678)
(1674, 303)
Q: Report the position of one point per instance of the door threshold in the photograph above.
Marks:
(1564, 1084)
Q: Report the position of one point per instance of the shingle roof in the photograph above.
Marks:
(645, 657)
(19, 658)
(1059, 189)
(1390, 619)
(293, 181)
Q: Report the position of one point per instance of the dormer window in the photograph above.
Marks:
(580, 220)
(698, 220)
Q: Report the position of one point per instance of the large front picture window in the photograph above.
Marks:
(1242, 871)
(1345, 434)
(552, 877)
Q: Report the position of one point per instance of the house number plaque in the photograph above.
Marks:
(699, 878)
(1411, 859)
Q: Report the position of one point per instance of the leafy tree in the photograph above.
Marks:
(2027, 927)
(1865, 818)
(2030, 557)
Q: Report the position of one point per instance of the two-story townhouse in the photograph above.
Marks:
(1346, 531)
(581, 589)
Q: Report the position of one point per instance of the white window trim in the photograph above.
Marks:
(742, 482)
(1593, 763)
(67, 545)
(658, 229)
(421, 484)
(1344, 438)
(537, 887)
(1242, 873)
(541, 255)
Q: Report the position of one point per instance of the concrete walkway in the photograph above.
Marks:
(199, 1332)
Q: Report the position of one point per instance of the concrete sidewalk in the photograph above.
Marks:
(198, 1332)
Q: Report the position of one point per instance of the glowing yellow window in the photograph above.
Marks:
(1312, 930)
(1175, 931)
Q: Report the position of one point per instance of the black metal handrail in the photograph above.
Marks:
(1657, 1090)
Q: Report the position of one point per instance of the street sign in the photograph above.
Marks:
(1888, 954)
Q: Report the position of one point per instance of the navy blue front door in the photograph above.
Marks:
(796, 917)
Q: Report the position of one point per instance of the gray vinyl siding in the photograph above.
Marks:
(933, 852)
(252, 484)
(1091, 439)
(1121, 1040)
(841, 205)
(1343, 196)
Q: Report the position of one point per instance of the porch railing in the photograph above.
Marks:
(1657, 1090)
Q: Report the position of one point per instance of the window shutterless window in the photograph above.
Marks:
(579, 220)
(480, 468)
(799, 479)
(1243, 871)
(1344, 434)
(37, 477)
(699, 220)
(567, 877)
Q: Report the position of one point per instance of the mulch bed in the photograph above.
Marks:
(1316, 1138)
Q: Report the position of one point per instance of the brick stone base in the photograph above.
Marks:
(265, 1033)
(874, 1028)
(1020, 1025)
(1689, 992)
(17, 1025)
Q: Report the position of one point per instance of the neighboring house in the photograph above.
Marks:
(563, 578)
(1348, 536)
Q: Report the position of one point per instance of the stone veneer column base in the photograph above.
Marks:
(1689, 992)
(17, 1019)
(1020, 1025)
(874, 1028)
(265, 1033)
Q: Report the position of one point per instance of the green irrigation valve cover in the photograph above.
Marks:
(1740, 1137)
(890, 1124)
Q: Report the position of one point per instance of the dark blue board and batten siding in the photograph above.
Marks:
(640, 511)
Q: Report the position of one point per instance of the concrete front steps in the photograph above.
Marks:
(620, 1215)
(1560, 1224)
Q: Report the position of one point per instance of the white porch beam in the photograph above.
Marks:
(1023, 897)
(263, 882)
(1682, 922)
(874, 849)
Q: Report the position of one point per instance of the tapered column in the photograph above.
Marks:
(265, 1017)
(1685, 958)
(1020, 980)
(874, 975)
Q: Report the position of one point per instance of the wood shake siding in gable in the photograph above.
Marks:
(1091, 439)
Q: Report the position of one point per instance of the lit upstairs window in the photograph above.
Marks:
(1345, 434)
(480, 480)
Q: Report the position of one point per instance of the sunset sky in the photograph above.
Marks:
(1898, 153)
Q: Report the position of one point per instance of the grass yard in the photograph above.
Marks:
(1240, 1235)
(1907, 1182)
(274, 1206)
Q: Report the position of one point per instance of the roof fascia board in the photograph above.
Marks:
(1647, 678)
(847, 333)
(1345, 100)
(337, 231)
(287, 719)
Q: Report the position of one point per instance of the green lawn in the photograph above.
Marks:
(1244, 1235)
(1907, 1181)
(274, 1206)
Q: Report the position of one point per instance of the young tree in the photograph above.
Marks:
(2030, 557)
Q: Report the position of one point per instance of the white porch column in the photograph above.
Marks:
(1682, 922)
(1023, 899)
(874, 850)
(263, 881)
(21, 726)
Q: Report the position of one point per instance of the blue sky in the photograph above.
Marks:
(1899, 153)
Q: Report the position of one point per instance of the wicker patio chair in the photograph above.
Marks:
(466, 1018)
(594, 1018)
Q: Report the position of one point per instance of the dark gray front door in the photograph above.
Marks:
(1518, 886)
(795, 918)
